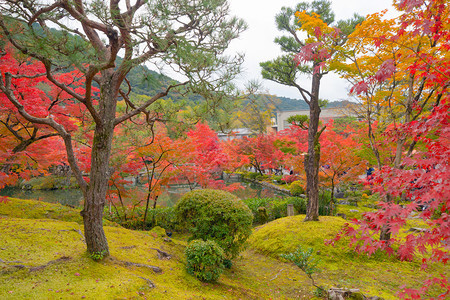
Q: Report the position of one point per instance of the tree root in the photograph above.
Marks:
(41, 267)
(32, 268)
(149, 282)
(79, 232)
(128, 264)
(162, 255)
(154, 268)
(277, 274)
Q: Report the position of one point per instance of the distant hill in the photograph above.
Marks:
(147, 82)
(287, 104)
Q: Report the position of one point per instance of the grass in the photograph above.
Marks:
(43, 257)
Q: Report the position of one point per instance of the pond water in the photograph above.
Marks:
(71, 197)
(168, 198)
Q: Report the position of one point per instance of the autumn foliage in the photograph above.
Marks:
(28, 149)
(400, 74)
(415, 47)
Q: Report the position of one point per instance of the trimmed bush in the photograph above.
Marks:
(216, 215)
(269, 209)
(204, 260)
(297, 188)
(160, 216)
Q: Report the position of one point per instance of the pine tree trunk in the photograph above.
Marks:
(95, 197)
(313, 157)
(96, 194)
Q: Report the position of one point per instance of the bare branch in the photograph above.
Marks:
(43, 11)
(303, 92)
(146, 104)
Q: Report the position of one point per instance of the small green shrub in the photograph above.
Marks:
(297, 188)
(253, 175)
(258, 207)
(261, 216)
(307, 263)
(255, 203)
(269, 209)
(260, 177)
(303, 259)
(325, 202)
(97, 256)
(227, 263)
(204, 260)
(299, 204)
(160, 216)
(216, 215)
(277, 179)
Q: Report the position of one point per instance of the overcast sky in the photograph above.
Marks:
(257, 41)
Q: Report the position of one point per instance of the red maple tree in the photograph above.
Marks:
(29, 149)
(422, 177)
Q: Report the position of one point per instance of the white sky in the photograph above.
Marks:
(257, 41)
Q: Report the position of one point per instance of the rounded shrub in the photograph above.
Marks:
(216, 215)
(204, 260)
(296, 188)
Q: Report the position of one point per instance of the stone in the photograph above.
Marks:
(290, 210)
(339, 195)
(342, 294)
(342, 215)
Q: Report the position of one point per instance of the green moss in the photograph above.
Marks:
(256, 274)
(51, 182)
(159, 231)
(353, 212)
(378, 275)
(36, 242)
(32, 209)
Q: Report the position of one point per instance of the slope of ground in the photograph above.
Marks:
(379, 275)
(42, 256)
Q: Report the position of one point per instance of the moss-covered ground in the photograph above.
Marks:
(43, 256)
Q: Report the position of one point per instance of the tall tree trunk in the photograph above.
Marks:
(332, 196)
(313, 157)
(95, 197)
(96, 193)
